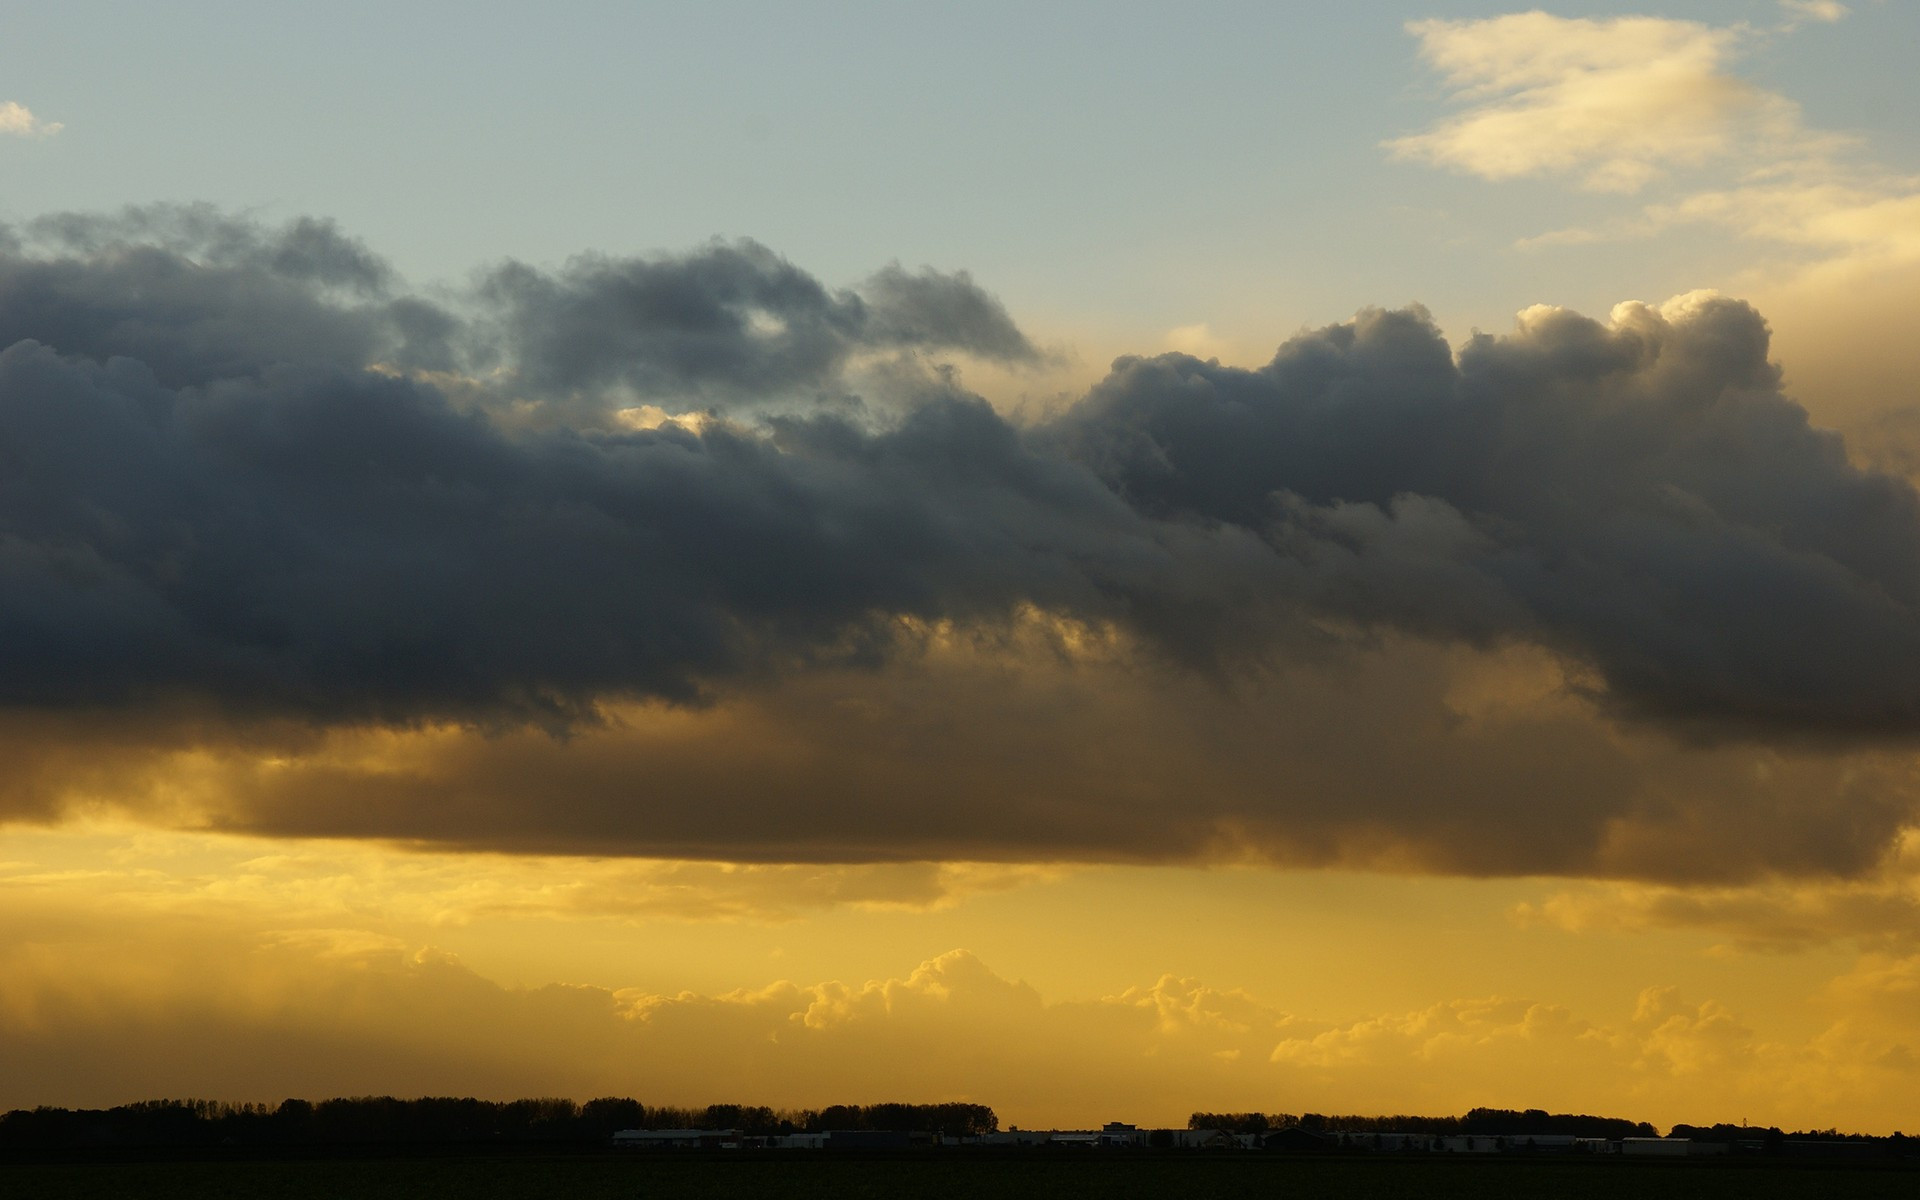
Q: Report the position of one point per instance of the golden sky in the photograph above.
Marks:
(143, 962)
(685, 676)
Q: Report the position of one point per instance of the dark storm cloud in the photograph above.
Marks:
(346, 543)
(228, 488)
(729, 320)
(1639, 495)
(207, 492)
(197, 297)
(733, 316)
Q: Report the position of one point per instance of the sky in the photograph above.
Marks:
(1107, 562)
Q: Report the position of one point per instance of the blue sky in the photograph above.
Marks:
(1124, 168)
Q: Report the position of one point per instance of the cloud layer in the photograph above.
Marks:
(255, 494)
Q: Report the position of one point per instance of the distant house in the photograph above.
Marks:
(1205, 1139)
(1017, 1137)
(1296, 1140)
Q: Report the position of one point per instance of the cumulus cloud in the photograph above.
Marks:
(17, 120)
(281, 540)
(1517, 489)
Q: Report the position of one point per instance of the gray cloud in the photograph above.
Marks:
(730, 320)
(942, 312)
(196, 297)
(306, 249)
(344, 543)
(224, 490)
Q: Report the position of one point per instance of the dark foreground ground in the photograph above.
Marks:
(974, 1176)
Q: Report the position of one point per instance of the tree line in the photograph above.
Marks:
(1531, 1122)
(451, 1120)
(375, 1120)
(1526, 1122)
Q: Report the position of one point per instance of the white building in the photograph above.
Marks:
(677, 1139)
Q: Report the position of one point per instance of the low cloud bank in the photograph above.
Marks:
(336, 1014)
(245, 475)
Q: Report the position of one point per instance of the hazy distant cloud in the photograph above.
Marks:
(1878, 220)
(1614, 102)
(1876, 910)
(260, 501)
(18, 121)
(343, 1012)
(1857, 220)
(1827, 11)
(1771, 919)
(305, 250)
(1198, 340)
(291, 884)
(100, 1018)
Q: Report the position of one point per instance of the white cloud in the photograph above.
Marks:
(16, 119)
(1614, 103)
(1625, 104)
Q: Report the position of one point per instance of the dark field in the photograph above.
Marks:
(1049, 1176)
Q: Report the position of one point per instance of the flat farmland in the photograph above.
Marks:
(976, 1177)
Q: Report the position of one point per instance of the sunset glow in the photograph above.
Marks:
(1104, 563)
